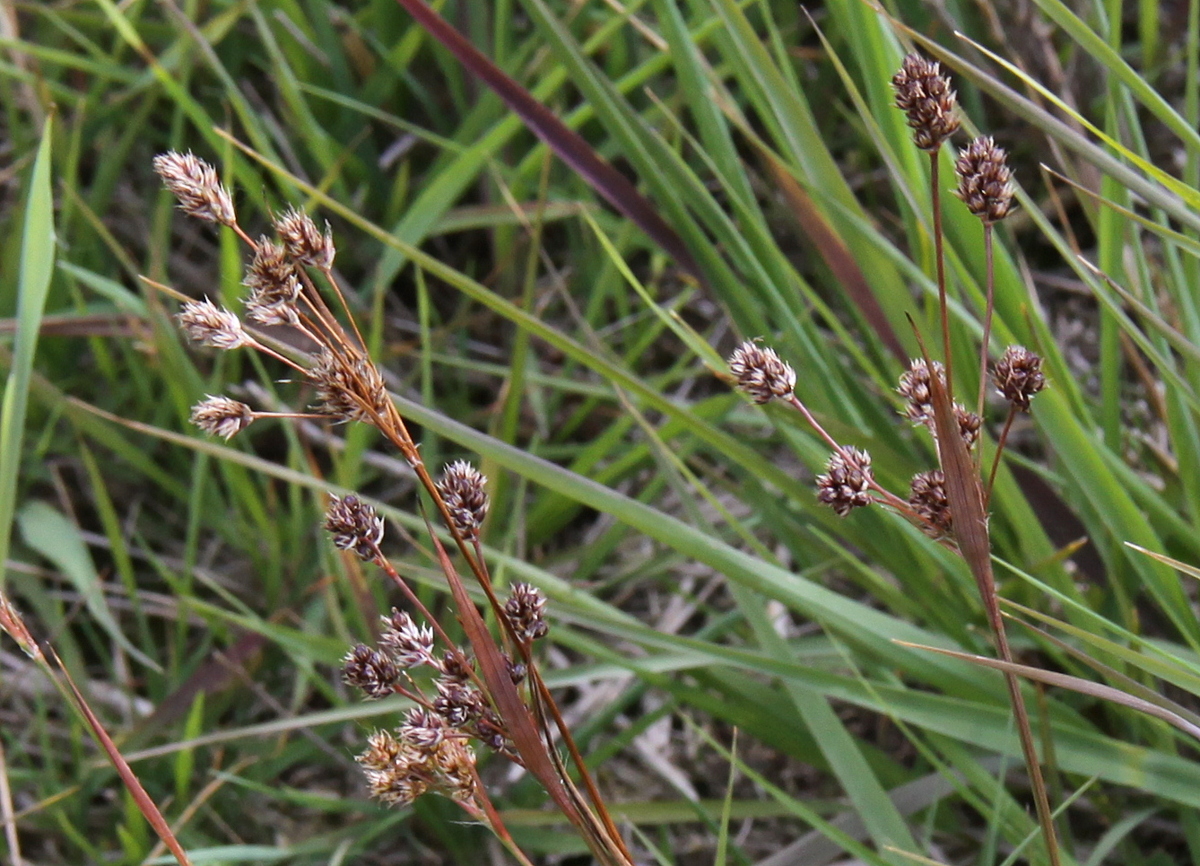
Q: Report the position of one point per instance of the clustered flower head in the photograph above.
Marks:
(464, 491)
(925, 95)
(985, 180)
(221, 416)
(194, 183)
(354, 526)
(1018, 376)
(761, 374)
(526, 612)
(430, 751)
(917, 392)
(846, 484)
(929, 502)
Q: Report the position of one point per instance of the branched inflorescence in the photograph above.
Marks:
(455, 705)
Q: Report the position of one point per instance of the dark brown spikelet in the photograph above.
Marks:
(370, 670)
(525, 609)
(304, 241)
(761, 374)
(463, 489)
(355, 526)
(1018, 376)
(914, 387)
(221, 416)
(985, 180)
(928, 500)
(195, 185)
(925, 95)
(968, 424)
(846, 484)
(411, 645)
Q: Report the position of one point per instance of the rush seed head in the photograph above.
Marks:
(928, 499)
(525, 609)
(221, 416)
(195, 185)
(303, 241)
(370, 670)
(410, 645)
(1018, 376)
(925, 95)
(985, 180)
(463, 489)
(355, 526)
(915, 388)
(846, 484)
(209, 325)
(761, 373)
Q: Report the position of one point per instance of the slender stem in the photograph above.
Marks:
(940, 259)
(988, 254)
(1025, 731)
(987, 491)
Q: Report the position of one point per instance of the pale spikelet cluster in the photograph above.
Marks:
(761, 373)
(458, 710)
(221, 416)
(1018, 376)
(924, 94)
(195, 184)
(464, 491)
(354, 526)
(846, 484)
(985, 180)
(401, 767)
(280, 294)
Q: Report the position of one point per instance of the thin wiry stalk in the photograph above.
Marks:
(940, 260)
(988, 254)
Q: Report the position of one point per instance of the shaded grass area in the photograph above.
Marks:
(695, 585)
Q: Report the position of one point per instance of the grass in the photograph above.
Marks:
(695, 584)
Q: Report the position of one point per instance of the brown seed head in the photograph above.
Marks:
(455, 666)
(221, 416)
(761, 374)
(410, 645)
(925, 95)
(846, 484)
(968, 424)
(382, 751)
(422, 729)
(304, 242)
(349, 388)
(462, 488)
(985, 180)
(1018, 376)
(914, 387)
(195, 184)
(209, 325)
(274, 286)
(525, 609)
(458, 704)
(370, 670)
(355, 526)
(928, 500)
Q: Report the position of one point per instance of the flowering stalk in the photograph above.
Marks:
(477, 700)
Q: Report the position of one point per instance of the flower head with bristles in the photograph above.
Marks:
(925, 95)
(985, 180)
(355, 526)
(195, 184)
(929, 502)
(304, 241)
(464, 491)
(410, 645)
(846, 484)
(761, 373)
(349, 388)
(274, 286)
(917, 392)
(1018, 376)
(526, 609)
(221, 416)
(209, 325)
(370, 670)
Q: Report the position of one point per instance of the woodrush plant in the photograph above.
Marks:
(948, 503)
(490, 693)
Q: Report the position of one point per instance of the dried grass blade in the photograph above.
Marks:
(570, 147)
(1075, 684)
(837, 257)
